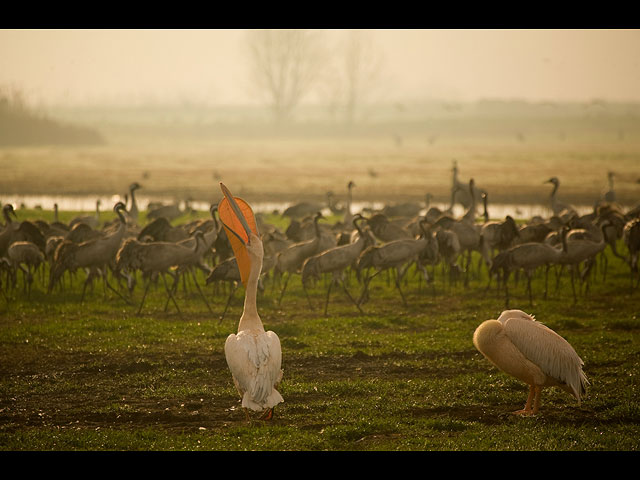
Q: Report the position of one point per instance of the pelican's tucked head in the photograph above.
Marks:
(240, 226)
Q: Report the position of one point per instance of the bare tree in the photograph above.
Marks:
(362, 71)
(285, 65)
(355, 77)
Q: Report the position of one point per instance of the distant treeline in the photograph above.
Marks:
(21, 126)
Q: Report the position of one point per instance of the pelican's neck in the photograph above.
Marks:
(250, 319)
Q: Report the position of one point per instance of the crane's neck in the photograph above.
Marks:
(471, 212)
(250, 319)
(7, 217)
(134, 205)
(485, 214)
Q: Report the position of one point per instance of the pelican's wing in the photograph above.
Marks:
(255, 361)
(274, 365)
(545, 348)
(242, 369)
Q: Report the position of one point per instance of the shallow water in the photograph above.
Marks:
(87, 203)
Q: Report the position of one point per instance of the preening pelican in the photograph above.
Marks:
(253, 355)
(526, 349)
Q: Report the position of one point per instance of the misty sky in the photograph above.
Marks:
(211, 65)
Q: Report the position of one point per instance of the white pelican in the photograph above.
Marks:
(253, 355)
(522, 347)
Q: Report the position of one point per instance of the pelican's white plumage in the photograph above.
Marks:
(253, 355)
(255, 358)
(528, 350)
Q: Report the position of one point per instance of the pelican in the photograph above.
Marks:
(253, 355)
(526, 349)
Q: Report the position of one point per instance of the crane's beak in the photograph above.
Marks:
(239, 223)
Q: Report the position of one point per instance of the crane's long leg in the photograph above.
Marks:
(399, 276)
(306, 292)
(365, 287)
(118, 293)
(84, 286)
(174, 289)
(546, 280)
(573, 287)
(284, 288)
(529, 288)
(199, 289)
(326, 302)
(506, 287)
(233, 290)
(144, 295)
(350, 297)
(404, 301)
(166, 287)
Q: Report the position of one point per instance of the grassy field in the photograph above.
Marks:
(97, 376)
(94, 375)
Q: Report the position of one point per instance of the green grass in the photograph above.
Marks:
(97, 376)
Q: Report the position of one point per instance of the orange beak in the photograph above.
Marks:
(238, 222)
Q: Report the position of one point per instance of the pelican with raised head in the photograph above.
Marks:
(254, 355)
(528, 350)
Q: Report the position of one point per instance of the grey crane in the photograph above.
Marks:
(169, 212)
(156, 258)
(15, 232)
(460, 192)
(302, 209)
(406, 209)
(631, 238)
(557, 207)
(468, 236)
(578, 250)
(539, 230)
(470, 215)
(94, 255)
(610, 195)
(385, 230)
(290, 260)
(395, 254)
(335, 260)
(92, 220)
(526, 256)
(24, 253)
(226, 271)
(433, 213)
(348, 214)
(496, 235)
(161, 230)
(133, 211)
(449, 250)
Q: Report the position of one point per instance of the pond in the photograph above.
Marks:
(87, 203)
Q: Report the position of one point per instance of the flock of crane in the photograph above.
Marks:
(237, 247)
(367, 243)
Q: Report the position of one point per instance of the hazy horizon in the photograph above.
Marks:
(77, 67)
